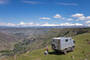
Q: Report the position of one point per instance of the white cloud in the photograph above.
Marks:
(7, 24)
(71, 24)
(82, 18)
(10, 24)
(47, 24)
(20, 24)
(78, 24)
(78, 15)
(87, 22)
(23, 24)
(67, 4)
(88, 17)
(57, 16)
(69, 19)
(32, 2)
(63, 24)
(45, 18)
(88, 25)
(27, 24)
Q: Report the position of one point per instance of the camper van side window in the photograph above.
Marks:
(66, 40)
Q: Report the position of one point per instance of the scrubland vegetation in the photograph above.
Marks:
(31, 46)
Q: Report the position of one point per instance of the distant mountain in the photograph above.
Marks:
(61, 26)
(44, 26)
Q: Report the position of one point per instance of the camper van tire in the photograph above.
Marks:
(56, 51)
(72, 48)
(65, 51)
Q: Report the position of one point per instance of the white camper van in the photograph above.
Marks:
(63, 44)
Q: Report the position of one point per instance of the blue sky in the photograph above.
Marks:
(44, 12)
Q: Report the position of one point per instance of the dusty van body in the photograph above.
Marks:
(63, 44)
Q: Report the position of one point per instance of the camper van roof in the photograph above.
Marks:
(62, 38)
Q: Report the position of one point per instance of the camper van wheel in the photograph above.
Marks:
(72, 48)
(56, 51)
(65, 51)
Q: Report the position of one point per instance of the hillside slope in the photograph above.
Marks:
(43, 36)
(81, 52)
(6, 41)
